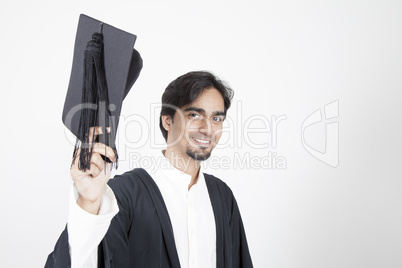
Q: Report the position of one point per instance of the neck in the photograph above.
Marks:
(184, 163)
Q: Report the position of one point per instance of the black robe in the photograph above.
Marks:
(141, 234)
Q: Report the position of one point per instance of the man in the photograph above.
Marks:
(176, 216)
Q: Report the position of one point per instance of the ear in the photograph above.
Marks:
(166, 122)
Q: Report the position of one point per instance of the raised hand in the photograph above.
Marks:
(92, 183)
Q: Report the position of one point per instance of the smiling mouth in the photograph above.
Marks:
(201, 141)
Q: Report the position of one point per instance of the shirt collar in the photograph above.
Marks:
(166, 169)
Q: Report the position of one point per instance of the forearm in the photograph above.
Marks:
(89, 206)
(87, 230)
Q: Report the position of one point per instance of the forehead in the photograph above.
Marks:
(210, 100)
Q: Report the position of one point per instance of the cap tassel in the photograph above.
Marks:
(95, 111)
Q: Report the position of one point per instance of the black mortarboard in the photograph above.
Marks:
(105, 67)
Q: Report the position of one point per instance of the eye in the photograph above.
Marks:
(217, 119)
(194, 115)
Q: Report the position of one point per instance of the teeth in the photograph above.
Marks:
(201, 141)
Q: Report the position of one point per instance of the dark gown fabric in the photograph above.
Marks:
(141, 234)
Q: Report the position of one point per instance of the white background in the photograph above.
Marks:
(282, 58)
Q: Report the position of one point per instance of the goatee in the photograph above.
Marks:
(198, 156)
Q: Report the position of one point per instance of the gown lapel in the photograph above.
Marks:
(216, 201)
(163, 216)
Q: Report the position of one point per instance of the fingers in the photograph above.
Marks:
(98, 131)
(104, 150)
(97, 162)
(97, 165)
(99, 148)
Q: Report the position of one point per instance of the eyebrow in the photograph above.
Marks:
(195, 109)
(220, 113)
(202, 111)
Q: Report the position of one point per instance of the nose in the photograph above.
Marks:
(205, 127)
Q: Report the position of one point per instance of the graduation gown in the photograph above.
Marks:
(141, 234)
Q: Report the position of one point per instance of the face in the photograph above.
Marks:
(197, 127)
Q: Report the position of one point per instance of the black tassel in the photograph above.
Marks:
(95, 111)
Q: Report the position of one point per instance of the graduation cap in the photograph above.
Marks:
(105, 67)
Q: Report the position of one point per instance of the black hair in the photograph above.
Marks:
(186, 88)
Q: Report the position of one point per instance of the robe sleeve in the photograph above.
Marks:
(60, 257)
(240, 253)
(231, 242)
(86, 230)
(79, 241)
(119, 229)
(123, 246)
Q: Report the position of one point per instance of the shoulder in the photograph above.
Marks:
(130, 180)
(215, 180)
(222, 197)
(214, 183)
(130, 187)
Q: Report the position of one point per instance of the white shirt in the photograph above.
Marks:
(190, 212)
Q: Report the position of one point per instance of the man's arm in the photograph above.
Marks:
(85, 228)
(60, 257)
(241, 255)
(78, 244)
